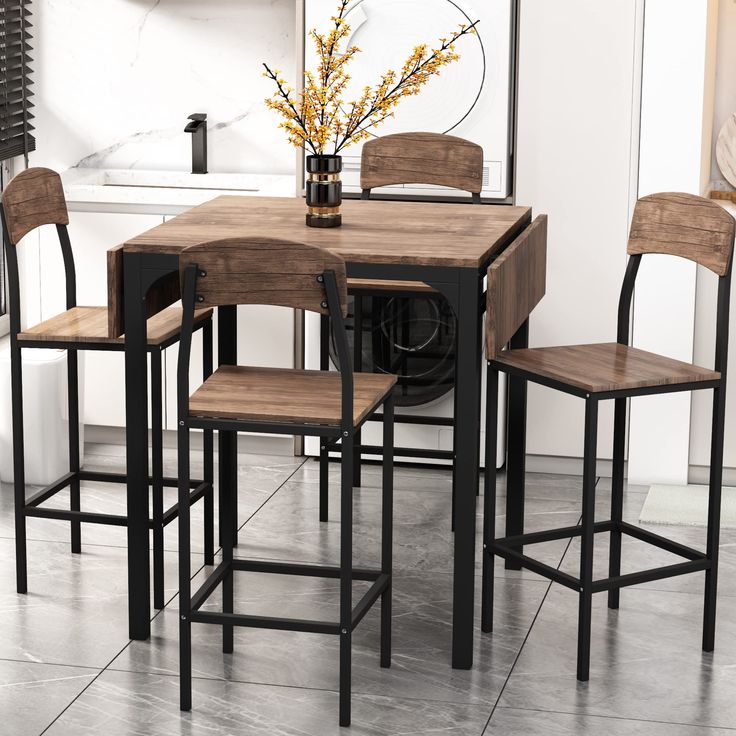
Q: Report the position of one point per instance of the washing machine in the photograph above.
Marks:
(472, 98)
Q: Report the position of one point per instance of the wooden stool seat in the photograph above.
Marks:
(418, 287)
(89, 325)
(285, 395)
(603, 367)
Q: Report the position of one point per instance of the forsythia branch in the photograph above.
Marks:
(320, 117)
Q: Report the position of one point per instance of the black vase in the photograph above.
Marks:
(324, 191)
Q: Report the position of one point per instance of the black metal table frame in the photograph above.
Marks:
(461, 286)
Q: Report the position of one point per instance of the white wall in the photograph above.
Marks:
(725, 105)
(576, 152)
(675, 149)
(725, 89)
(116, 80)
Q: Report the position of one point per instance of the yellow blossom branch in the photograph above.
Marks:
(319, 118)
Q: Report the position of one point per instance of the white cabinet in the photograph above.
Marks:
(575, 152)
(91, 234)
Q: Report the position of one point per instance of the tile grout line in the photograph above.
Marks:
(617, 718)
(528, 633)
(158, 613)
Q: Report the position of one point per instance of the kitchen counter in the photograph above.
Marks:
(139, 191)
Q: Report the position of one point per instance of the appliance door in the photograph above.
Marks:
(413, 338)
(471, 98)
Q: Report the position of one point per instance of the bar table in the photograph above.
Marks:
(448, 246)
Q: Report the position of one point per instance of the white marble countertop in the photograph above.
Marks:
(163, 192)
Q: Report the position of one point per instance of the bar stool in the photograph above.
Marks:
(34, 198)
(403, 158)
(676, 224)
(224, 274)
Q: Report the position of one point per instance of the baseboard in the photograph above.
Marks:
(700, 475)
(281, 445)
(564, 465)
(249, 443)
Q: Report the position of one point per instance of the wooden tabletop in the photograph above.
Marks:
(410, 233)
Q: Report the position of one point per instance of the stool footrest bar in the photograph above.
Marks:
(662, 542)
(646, 576)
(194, 496)
(46, 493)
(104, 477)
(535, 566)
(369, 598)
(265, 622)
(398, 451)
(86, 517)
(292, 568)
(381, 582)
(552, 535)
(210, 584)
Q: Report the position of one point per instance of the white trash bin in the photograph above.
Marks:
(45, 415)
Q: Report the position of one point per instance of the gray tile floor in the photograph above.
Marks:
(67, 666)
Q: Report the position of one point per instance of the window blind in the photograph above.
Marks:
(15, 77)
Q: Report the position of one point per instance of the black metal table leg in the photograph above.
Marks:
(454, 450)
(468, 383)
(136, 440)
(387, 526)
(228, 466)
(346, 575)
(185, 592)
(516, 452)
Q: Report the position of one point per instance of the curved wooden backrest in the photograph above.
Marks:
(683, 225)
(422, 158)
(517, 281)
(268, 271)
(33, 198)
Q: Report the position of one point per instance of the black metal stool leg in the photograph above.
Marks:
(357, 367)
(387, 526)
(617, 497)
(185, 625)
(228, 488)
(208, 457)
(72, 365)
(489, 498)
(714, 517)
(324, 479)
(346, 575)
(19, 475)
(157, 476)
(587, 539)
(516, 453)
(324, 454)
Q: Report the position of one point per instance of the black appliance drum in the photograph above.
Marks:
(412, 337)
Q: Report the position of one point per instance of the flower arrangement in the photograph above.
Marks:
(318, 118)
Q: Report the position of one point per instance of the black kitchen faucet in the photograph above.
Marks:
(198, 129)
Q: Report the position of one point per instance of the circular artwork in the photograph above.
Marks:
(726, 150)
(388, 32)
